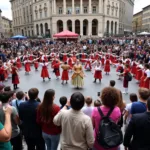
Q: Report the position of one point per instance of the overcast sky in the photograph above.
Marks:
(6, 8)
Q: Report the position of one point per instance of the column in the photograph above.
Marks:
(54, 6)
(81, 27)
(102, 6)
(114, 27)
(64, 25)
(64, 7)
(73, 26)
(90, 28)
(109, 27)
(81, 6)
(90, 11)
(72, 6)
(100, 3)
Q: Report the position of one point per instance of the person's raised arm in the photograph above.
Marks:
(5, 133)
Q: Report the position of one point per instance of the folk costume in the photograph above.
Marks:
(65, 75)
(98, 73)
(44, 72)
(107, 66)
(15, 77)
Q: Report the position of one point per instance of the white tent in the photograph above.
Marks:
(144, 33)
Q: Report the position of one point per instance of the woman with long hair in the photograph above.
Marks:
(45, 114)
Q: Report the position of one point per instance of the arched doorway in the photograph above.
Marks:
(85, 27)
(37, 29)
(107, 27)
(59, 26)
(94, 27)
(112, 27)
(69, 25)
(115, 28)
(41, 27)
(77, 26)
(46, 27)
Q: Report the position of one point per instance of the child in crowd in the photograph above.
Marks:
(97, 103)
(63, 101)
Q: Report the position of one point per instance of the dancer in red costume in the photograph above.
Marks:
(70, 62)
(139, 71)
(15, 76)
(44, 72)
(133, 68)
(65, 75)
(98, 73)
(57, 69)
(83, 57)
(36, 64)
(54, 60)
(146, 81)
(102, 60)
(119, 69)
(2, 72)
(27, 63)
(65, 57)
(88, 65)
(107, 66)
(18, 62)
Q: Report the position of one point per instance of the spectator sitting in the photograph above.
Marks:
(45, 114)
(16, 139)
(107, 104)
(137, 134)
(6, 130)
(88, 108)
(31, 130)
(140, 106)
(75, 125)
(63, 101)
(97, 103)
(133, 98)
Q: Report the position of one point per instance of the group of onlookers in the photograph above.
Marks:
(74, 124)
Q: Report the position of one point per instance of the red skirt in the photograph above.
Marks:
(138, 75)
(36, 65)
(133, 71)
(65, 75)
(98, 75)
(146, 84)
(19, 65)
(44, 73)
(64, 58)
(15, 79)
(27, 68)
(142, 82)
(107, 68)
(70, 64)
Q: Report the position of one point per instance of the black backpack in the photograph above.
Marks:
(109, 134)
(128, 77)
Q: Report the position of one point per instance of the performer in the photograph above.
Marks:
(36, 64)
(88, 66)
(78, 75)
(27, 65)
(107, 66)
(125, 81)
(139, 71)
(120, 69)
(70, 62)
(15, 76)
(65, 76)
(44, 72)
(57, 69)
(98, 72)
(18, 61)
(146, 83)
(2, 72)
(133, 69)
(54, 60)
(64, 57)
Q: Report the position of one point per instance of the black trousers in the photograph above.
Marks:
(35, 143)
(16, 142)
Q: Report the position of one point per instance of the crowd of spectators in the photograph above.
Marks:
(75, 123)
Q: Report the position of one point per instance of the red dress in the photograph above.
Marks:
(30, 57)
(138, 74)
(44, 73)
(119, 68)
(15, 78)
(65, 58)
(107, 66)
(83, 58)
(70, 62)
(143, 76)
(27, 66)
(19, 63)
(125, 82)
(133, 70)
(146, 83)
(102, 60)
(56, 69)
(88, 65)
(98, 74)
(36, 64)
(2, 72)
(65, 75)
(53, 63)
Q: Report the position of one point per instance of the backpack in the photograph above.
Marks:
(109, 134)
(129, 77)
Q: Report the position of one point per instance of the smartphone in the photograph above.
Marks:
(98, 93)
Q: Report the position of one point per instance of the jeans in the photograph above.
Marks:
(51, 141)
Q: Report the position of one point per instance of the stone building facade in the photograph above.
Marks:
(85, 17)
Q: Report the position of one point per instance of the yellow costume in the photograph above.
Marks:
(77, 77)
